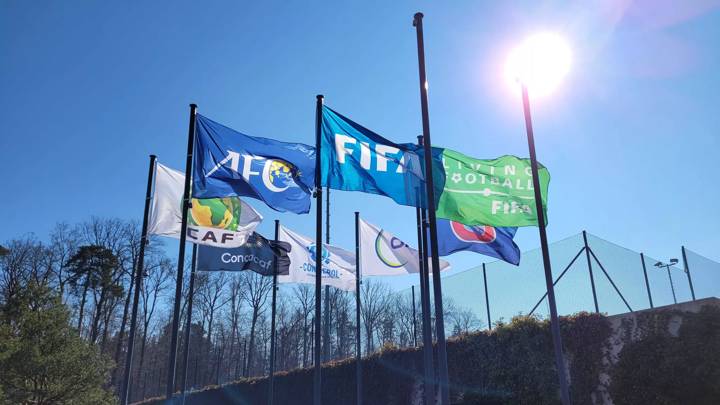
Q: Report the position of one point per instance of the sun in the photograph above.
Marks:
(540, 63)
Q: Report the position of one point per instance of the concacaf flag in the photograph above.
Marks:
(221, 222)
(382, 254)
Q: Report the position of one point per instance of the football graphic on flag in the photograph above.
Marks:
(475, 234)
(221, 213)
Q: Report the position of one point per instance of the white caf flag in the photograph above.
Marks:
(382, 254)
(222, 222)
(338, 267)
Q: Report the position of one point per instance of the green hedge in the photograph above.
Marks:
(514, 364)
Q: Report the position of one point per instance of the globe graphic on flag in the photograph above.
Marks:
(222, 213)
(280, 173)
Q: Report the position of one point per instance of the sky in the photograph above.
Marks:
(89, 89)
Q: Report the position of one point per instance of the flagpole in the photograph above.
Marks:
(125, 393)
(188, 322)
(358, 351)
(317, 377)
(414, 324)
(428, 369)
(181, 256)
(271, 388)
(326, 315)
(487, 298)
(429, 185)
(554, 322)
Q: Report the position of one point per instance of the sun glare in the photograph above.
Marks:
(540, 62)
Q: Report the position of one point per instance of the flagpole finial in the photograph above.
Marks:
(152, 156)
(193, 105)
(418, 17)
(320, 97)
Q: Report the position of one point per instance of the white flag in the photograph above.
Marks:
(382, 254)
(222, 222)
(338, 267)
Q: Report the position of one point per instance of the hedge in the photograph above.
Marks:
(513, 364)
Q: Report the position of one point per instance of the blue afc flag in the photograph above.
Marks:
(487, 240)
(257, 255)
(357, 159)
(228, 163)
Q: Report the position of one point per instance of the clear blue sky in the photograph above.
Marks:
(89, 89)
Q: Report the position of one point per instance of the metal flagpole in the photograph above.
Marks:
(487, 299)
(554, 322)
(326, 314)
(181, 256)
(317, 377)
(429, 185)
(358, 352)
(687, 272)
(125, 393)
(592, 279)
(414, 324)
(271, 388)
(647, 283)
(188, 323)
(429, 371)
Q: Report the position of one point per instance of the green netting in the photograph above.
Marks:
(516, 290)
(705, 274)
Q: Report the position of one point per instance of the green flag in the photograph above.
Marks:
(496, 192)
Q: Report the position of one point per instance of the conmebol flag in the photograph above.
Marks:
(382, 254)
(222, 222)
(338, 265)
(229, 163)
(357, 159)
(487, 240)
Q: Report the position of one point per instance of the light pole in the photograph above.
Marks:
(667, 266)
(539, 64)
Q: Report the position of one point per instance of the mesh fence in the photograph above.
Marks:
(617, 274)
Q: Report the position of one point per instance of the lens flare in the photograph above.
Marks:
(540, 63)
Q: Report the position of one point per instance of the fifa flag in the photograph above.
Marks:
(338, 265)
(357, 159)
(382, 254)
(220, 222)
(497, 192)
(491, 241)
(228, 163)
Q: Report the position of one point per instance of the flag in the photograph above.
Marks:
(257, 254)
(491, 241)
(229, 163)
(338, 267)
(382, 254)
(221, 222)
(497, 192)
(357, 159)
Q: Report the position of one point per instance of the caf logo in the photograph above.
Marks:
(220, 213)
(473, 234)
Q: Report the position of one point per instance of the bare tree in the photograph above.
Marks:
(255, 293)
(375, 301)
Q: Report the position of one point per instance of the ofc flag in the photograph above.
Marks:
(221, 222)
(257, 254)
(229, 163)
(338, 265)
(497, 192)
(382, 254)
(357, 159)
(491, 241)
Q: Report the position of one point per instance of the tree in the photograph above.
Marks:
(42, 361)
(92, 269)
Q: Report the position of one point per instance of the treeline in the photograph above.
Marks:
(87, 269)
